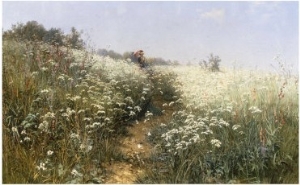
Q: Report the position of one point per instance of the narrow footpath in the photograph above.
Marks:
(136, 148)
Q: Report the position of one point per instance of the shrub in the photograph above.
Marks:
(213, 63)
(33, 31)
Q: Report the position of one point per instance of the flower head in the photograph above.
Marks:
(50, 152)
(216, 143)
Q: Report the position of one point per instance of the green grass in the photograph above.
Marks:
(64, 110)
(238, 126)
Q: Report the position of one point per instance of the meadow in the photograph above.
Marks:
(65, 109)
(234, 126)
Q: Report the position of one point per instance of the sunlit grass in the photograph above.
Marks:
(64, 110)
(235, 126)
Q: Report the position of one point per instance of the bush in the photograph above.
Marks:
(33, 31)
(213, 63)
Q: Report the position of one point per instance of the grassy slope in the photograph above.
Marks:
(63, 111)
(235, 125)
(58, 111)
(62, 107)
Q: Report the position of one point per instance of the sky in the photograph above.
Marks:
(247, 34)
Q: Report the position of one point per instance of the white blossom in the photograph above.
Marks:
(235, 127)
(27, 138)
(254, 110)
(75, 173)
(44, 91)
(41, 167)
(216, 143)
(49, 152)
(132, 113)
(171, 103)
(44, 126)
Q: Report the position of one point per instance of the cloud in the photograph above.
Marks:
(214, 14)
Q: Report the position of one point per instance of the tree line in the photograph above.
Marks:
(34, 31)
(129, 55)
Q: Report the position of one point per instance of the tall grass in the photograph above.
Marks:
(60, 109)
(236, 127)
(64, 110)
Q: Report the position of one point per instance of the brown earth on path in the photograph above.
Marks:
(136, 148)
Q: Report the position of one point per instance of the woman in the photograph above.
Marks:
(140, 57)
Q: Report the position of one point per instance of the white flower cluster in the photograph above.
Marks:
(113, 70)
(216, 143)
(41, 167)
(254, 110)
(228, 89)
(75, 173)
(211, 100)
(47, 118)
(190, 129)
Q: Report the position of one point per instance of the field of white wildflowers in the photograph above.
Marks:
(64, 110)
(234, 126)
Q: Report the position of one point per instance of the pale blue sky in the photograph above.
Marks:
(249, 33)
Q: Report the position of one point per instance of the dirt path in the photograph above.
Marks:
(136, 149)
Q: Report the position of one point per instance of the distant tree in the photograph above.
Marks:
(203, 64)
(128, 55)
(175, 63)
(110, 53)
(31, 31)
(53, 36)
(159, 61)
(115, 55)
(74, 39)
(213, 63)
(102, 52)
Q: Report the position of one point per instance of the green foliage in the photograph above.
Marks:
(213, 63)
(73, 39)
(110, 53)
(228, 139)
(59, 115)
(158, 61)
(64, 109)
(33, 31)
(54, 36)
(165, 85)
